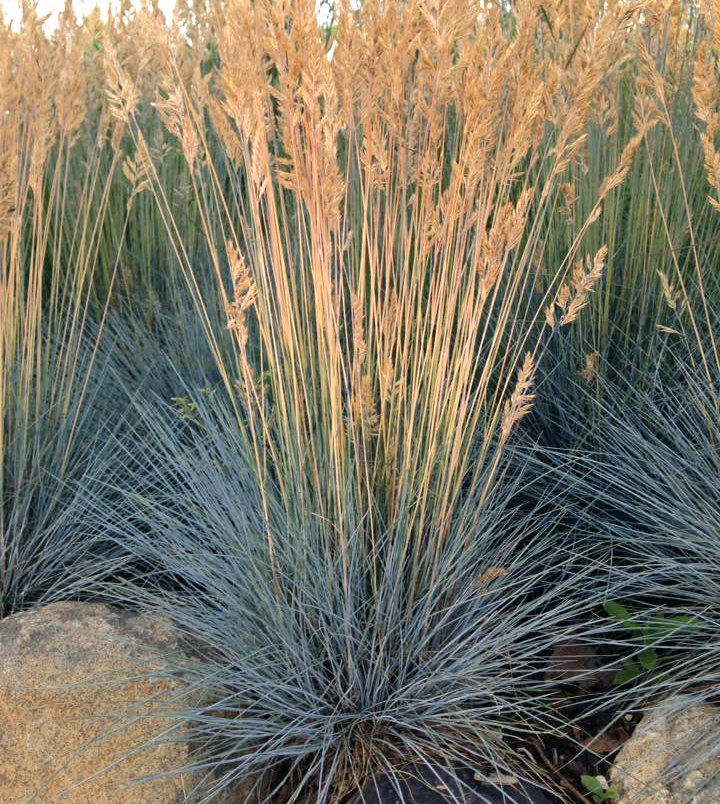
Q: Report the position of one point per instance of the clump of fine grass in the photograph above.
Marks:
(647, 494)
(662, 234)
(77, 235)
(48, 420)
(644, 484)
(316, 669)
(345, 508)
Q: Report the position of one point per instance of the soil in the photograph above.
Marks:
(425, 786)
(589, 750)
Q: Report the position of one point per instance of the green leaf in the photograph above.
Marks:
(592, 785)
(660, 627)
(612, 793)
(650, 636)
(617, 612)
(686, 619)
(648, 659)
(686, 622)
(630, 671)
(637, 630)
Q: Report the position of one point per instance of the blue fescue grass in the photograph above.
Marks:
(325, 680)
(339, 540)
(43, 452)
(150, 354)
(365, 580)
(643, 489)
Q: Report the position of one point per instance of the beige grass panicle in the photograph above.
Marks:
(390, 234)
(48, 257)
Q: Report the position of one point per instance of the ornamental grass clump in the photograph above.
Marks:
(335, 533)
(647, 494)
(379, 277)
(49, 410)
(641, 484)
(648, 489)
(315, 667)
(661, 232)
(79, 237)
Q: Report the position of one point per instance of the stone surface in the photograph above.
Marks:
(675, 730)
(423, 786)
(46, 731)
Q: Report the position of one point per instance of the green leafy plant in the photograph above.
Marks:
(648, 635)
(599, 790)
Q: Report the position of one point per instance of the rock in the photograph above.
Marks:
(45, 729)
(420, 785)
(676, 731)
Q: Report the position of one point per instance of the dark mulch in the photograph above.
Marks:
(590, 750)
(421, 785)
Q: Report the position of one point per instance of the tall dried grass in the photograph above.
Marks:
(382, 268)
(375, 227)
(398, 235)
(662, 236)
(46, 420)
